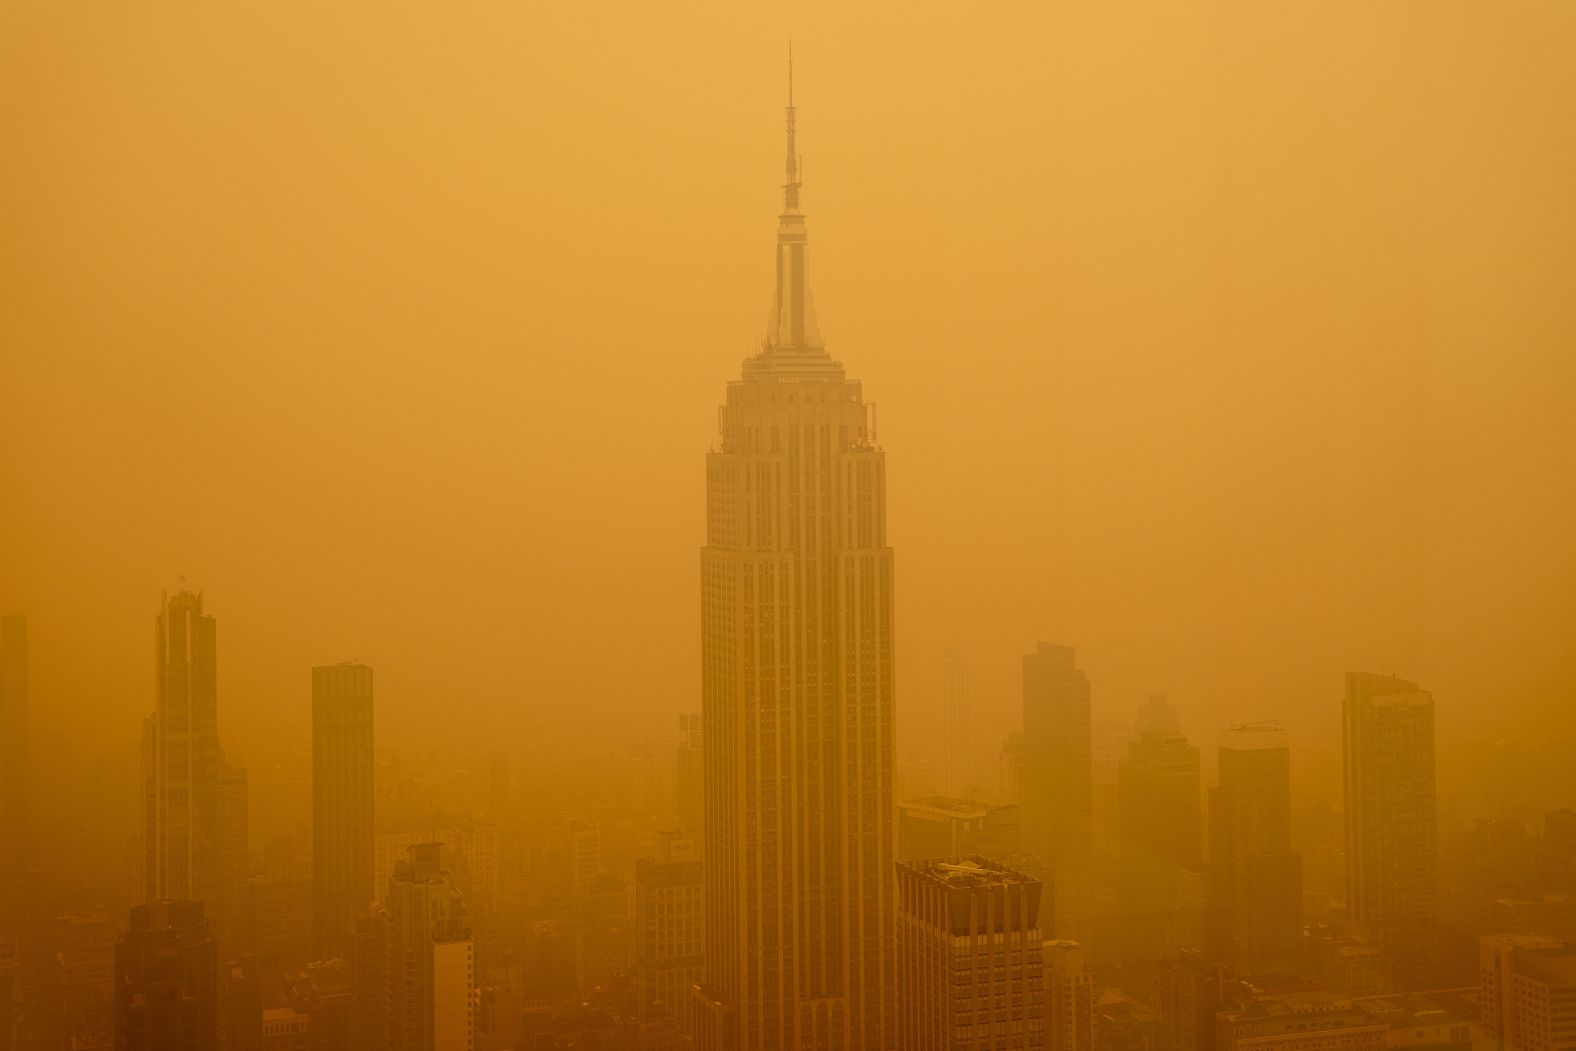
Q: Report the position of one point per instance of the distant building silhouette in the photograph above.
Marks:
(942, 827)
(14, 776)
(969, 949)
(84, 975)
(1189, 989)
(429, 966)
(167, 980)
(1069, 997)
(193, 806)
(1160, 819)
(342, 794)
(1257, 875)
(1392, 848)
(797, 695)
(956, 686)
(1057, 795)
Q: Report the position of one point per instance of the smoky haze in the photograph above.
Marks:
(1229, 343)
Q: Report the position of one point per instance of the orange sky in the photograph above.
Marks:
(1232, 343)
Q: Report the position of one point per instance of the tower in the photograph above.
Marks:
(1258, 877)
(797, 694)
(1160, 822)
(1057, 799)
(1392, 849)
(429, 967)
(341, 804)
(956, 681)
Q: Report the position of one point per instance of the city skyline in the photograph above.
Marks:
(1079, 724)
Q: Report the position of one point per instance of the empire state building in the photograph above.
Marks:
(797, 695)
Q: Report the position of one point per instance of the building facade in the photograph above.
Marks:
(1257, 908)
(970, 965)
(1392, 848)
(797, 695)
(342, 794)
(194, 809)
(429, 968)
(167, 980)
(1069, 997)
(1057, 795)
(1528, 993)
(1160, 820)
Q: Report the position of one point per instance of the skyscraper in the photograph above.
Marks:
(342, 833)
(1069, 997)
(429, 968)
(669, 928)
(1257, 876)
(13, 770)
(1161, 822)
(956, 681)
(970, 970)
(797, 694)
(1528, 993)
(181, 758)
(1057, 800)
(1392, 850)
(167, 980)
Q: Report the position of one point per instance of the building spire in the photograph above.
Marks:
(791, 187)
(793, 319)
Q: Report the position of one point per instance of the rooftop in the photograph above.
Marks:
(967, 872)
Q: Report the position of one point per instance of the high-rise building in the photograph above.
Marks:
(1057, 799)
(669, 939)
(1009, 769)
(1160, 821)
(1257, 876)
(369, 948)
(1157, 715)
(689, 785)
(1527, 997)
(941, 827)
(797, 694)
(167, 980)
(84, 976)
(181, 756)
(969, 956)
(1069, 997)
(279, 914)
(429, 969)
(1188, 991)
(226, 909)
(194, 813)
(13, 771)
(1392, 850)
(956, 684)
(342, 830)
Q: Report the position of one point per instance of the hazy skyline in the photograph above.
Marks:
(1231, 348)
